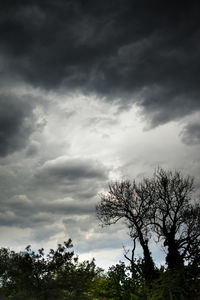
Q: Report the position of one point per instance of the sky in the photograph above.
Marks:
(92, 92)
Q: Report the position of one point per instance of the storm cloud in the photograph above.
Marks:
(16, 123)
(131, 51)
(78, 177)
(71, 169)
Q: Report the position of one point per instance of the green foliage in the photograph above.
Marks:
(35, 276)
(58, 275)
(116, 284)
(179, 284)
(119, 284)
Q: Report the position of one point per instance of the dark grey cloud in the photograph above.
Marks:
(79, 178)
(18, 212)
(191, 134)
(58, 189)
(71, 169)
(62, 177)
(124, 49)
(16, 123)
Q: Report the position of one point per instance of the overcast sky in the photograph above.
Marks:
(90, 92)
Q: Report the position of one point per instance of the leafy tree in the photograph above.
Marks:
(35, 276)
(176, 284)
(117, 284)
(76, 281)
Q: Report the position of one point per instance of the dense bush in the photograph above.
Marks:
(30, 275)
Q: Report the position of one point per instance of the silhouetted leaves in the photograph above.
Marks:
(34, 275)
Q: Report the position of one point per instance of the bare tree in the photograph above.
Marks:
(161, 206)
(129, 201)
(176, 219)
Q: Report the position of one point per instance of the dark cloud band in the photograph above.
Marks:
(143, 50)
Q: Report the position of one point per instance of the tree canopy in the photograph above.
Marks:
(30, 275)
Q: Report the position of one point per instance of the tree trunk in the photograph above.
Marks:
(148, 268)
(173, 258)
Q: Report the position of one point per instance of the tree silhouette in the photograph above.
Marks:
(161, 206)
(128, 201)
(176, 217)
